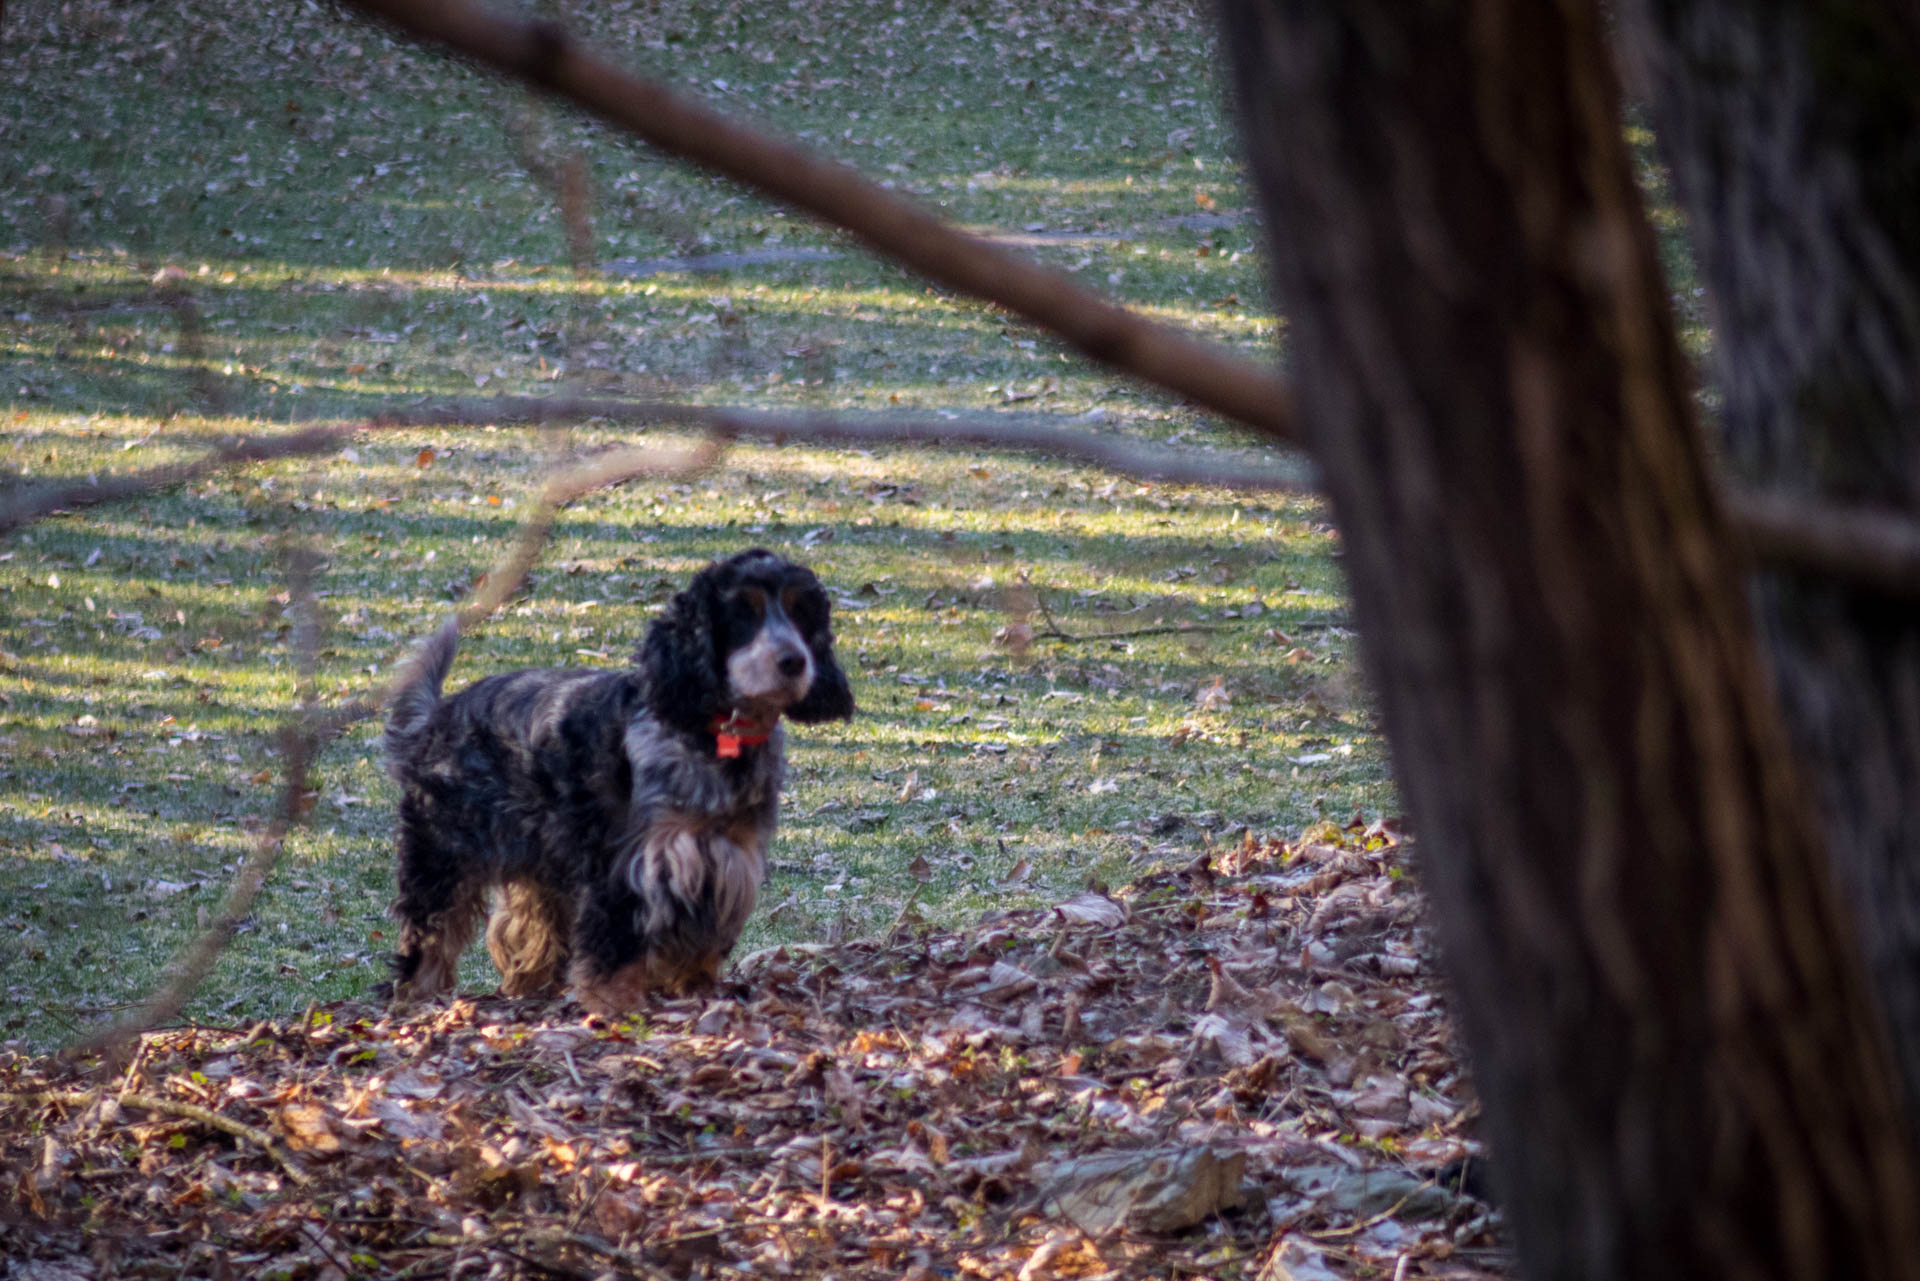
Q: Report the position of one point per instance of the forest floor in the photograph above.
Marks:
(1236, 1069)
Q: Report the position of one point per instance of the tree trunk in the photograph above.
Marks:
(1794, 133)
(1681, 1071)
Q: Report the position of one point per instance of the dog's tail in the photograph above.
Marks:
(418, 691)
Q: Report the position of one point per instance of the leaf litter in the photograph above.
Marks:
(1239, 1068)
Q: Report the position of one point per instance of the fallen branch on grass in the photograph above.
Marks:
(1054, 633)
(543, 55)
(1053, 630)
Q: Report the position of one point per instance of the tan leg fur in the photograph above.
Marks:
(527, 938)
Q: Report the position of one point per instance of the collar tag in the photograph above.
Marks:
(733, 732)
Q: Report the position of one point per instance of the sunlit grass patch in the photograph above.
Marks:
(270, 216)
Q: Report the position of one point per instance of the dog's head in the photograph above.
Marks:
(751, 634)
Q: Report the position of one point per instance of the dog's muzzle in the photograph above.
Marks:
(773, 671)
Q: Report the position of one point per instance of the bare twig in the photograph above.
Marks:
(501, 582)
(318, 1239)
(615, 467)
(568, 182)
(718, 1229)
(1053, 630)
(1076, 638)
(1116, 453)
(1113, 452)
(1354, 1229)
(549, 1237)
(24, 509)
(172, 1107)
(543, 55)
(1878, 550)
(299, 744)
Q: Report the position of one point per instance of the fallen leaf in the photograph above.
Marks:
(1090, 908)
(309, 1128)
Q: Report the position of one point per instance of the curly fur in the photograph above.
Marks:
(622, 846)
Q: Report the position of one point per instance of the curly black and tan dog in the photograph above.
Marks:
(619, 819)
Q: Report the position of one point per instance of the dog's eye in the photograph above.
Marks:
(753, 599)
(800, 604)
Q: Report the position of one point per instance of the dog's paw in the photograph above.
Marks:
(612, 996)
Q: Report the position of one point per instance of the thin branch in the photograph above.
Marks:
(1076, 638)
(1125, 455)
(544, 56)
(44, 500)
(1874, 549)
(505, 579)
(1053, 631)
(566, 487)
(299, 744)
(1114, 452)
(550, 1237)
(172, 1107)
(1877, 550)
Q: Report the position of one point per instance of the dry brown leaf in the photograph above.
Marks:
(309, 1128)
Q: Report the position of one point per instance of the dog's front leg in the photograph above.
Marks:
(608, 972)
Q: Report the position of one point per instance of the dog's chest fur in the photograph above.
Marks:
(698, 844)
(565, 777)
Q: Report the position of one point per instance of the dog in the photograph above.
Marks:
(618, 819)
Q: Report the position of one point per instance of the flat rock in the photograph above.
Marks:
(1365, 1193)
(1148, 1190)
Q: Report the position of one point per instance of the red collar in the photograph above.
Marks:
(734, 731)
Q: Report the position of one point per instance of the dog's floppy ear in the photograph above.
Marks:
(830, 697)
(684, 685)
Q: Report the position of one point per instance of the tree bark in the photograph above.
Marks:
(1681, 1069)
(1793, 128)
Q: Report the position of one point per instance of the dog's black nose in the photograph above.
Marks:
(792, 664)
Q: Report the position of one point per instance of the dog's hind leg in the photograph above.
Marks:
(439, 906)
(527, 937)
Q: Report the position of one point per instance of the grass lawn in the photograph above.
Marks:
(360, 224)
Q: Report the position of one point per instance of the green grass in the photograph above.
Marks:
(361, 223)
